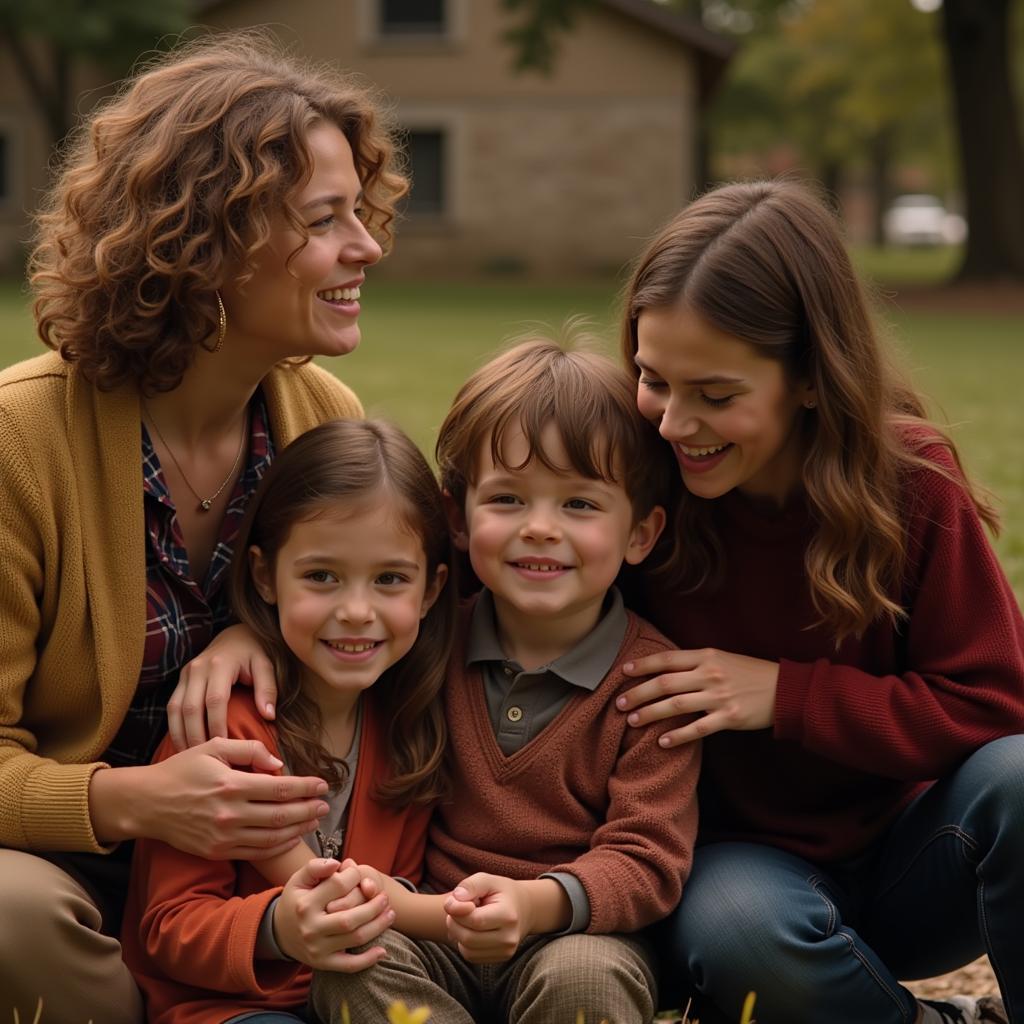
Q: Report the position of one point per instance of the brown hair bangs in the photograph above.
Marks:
(590, 400)
(350, 462)
(172, 184)
(765, 262)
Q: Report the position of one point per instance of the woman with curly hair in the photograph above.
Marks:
(208, 234)
(847, 636)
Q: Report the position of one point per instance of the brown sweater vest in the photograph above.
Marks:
(590, 796)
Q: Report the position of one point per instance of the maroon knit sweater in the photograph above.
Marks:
(860, 729)
(589, 796)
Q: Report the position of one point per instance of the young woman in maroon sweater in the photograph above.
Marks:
(845, 631)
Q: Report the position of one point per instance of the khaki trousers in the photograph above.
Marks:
(548, 981)
(52, 948)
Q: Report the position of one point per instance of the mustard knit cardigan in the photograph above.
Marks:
(73, 579)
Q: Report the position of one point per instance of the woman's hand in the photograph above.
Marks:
(728, 691)
(197, 801)
(327, 908)
(200, 700)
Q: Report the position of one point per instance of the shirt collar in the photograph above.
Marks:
(584, 666)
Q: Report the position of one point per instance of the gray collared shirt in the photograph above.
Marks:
(333, 824)
(522, 703)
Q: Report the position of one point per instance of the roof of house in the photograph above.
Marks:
(684, 28)
(713, 50)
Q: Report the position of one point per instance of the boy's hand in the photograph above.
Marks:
(307, 931)
(487, 918)
(489, 915)
(373, 881)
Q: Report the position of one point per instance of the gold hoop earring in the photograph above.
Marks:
(222, 323)
(810, 404)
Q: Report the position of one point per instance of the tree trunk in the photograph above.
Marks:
(60, 122)
(977, 38)
(49, 87)
(830, 174)
(881, 164)
(702, 174)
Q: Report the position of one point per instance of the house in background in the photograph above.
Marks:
(564, 174)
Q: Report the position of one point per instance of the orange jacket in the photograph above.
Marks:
(190, 927)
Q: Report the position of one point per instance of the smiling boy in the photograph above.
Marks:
(566, 830)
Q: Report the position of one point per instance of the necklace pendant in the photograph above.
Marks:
(205, 504)
(330, 845)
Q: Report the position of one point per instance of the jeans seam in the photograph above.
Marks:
(817, 884)
(983, 924)
(946, 830)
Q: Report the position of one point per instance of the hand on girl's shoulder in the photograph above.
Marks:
(243, 723)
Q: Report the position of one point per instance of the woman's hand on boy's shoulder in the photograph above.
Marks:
(327, 908)
(198, 708)
(726, 691)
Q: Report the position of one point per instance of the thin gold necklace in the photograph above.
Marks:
(205, 504)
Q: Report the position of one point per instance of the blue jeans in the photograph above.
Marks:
(943, 885)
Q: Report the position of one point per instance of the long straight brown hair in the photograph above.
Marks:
(764, 262)
(347, 462)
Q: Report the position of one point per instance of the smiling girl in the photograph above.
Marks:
(340, 573)
(847, 636)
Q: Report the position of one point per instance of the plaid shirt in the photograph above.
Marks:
(182, 616)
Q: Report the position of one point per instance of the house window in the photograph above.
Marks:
(426, 150)
(413, 18)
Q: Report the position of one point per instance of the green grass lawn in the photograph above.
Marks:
(897, 265)
(420, 341)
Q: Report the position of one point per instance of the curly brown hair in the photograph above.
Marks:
(765, 262)
(175, 180)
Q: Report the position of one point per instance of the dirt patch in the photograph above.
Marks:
(975, 979)
(957, 298)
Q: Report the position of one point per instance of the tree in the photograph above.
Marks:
(534, 39)
(977, 35)
(870, 97)
(976, 38)
(45, 37)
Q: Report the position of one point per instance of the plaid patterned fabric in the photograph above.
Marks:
(182, 616)
(550, 979)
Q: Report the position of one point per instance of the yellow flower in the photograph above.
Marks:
(748, 1009)
(399, 1013)
(36, 1018)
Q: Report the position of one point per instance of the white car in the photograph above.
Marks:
(922, 220)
